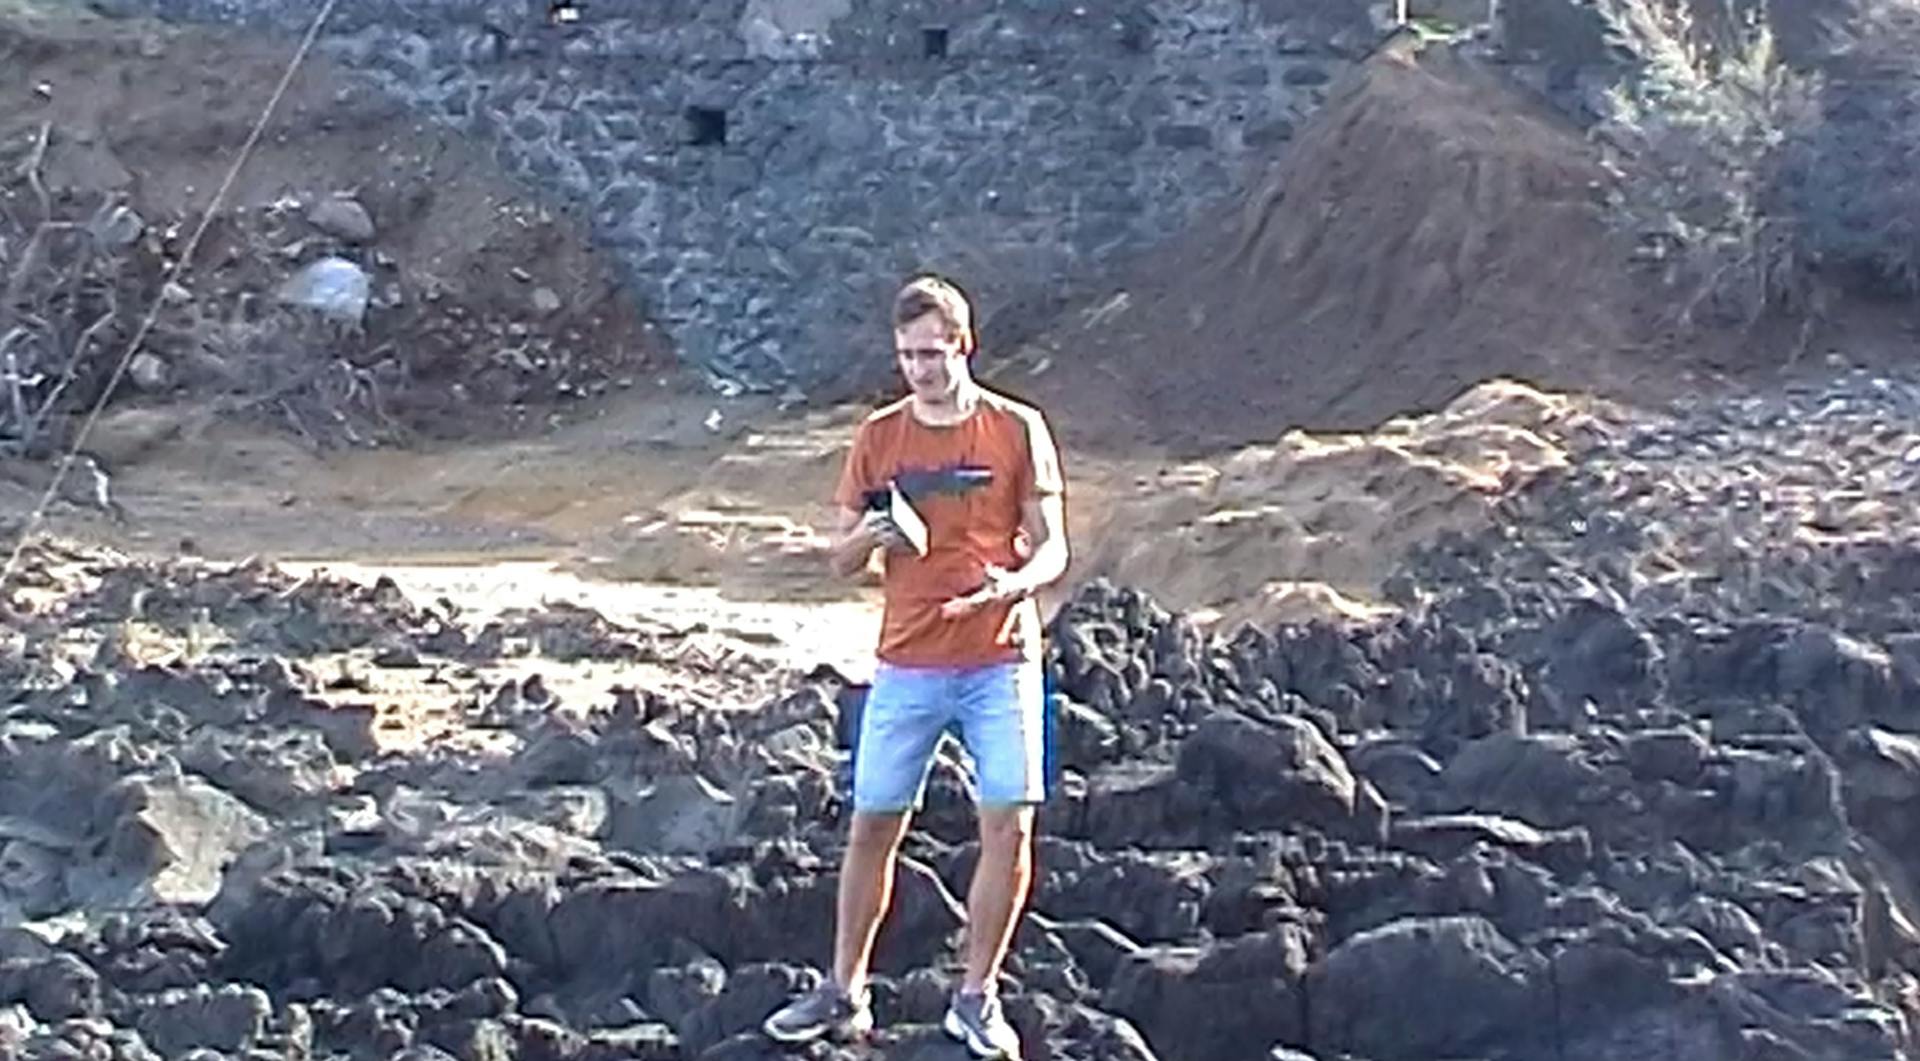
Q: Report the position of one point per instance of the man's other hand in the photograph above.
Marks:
(1000, 585)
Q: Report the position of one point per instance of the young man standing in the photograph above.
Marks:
(959, 645)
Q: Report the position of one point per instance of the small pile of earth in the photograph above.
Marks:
(1430, 228)
(465, 305)
(1316, 523)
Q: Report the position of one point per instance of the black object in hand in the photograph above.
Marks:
(902, 514)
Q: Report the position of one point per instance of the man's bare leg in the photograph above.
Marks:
(866, 890)
(998, 891)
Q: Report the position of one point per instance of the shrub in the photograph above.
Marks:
(67, 293)
(1854, 183)
(1703, 136)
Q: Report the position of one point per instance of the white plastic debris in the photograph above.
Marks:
(118, 228)
(334, 287)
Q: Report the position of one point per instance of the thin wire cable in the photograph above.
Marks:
(173, 275)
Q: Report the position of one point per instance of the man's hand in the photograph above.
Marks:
(1000, 585)
(858, 534)
(880, 530)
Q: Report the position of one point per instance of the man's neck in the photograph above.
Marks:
(955, 407)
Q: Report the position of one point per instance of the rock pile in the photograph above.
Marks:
(1632, 775)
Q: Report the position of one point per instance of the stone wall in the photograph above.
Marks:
(768, 169)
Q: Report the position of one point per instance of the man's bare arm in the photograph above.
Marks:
(855, 538)
(1044, 519)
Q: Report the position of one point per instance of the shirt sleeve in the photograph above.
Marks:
(1044, 476)
(855, 474)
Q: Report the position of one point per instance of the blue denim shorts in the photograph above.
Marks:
(999, 712)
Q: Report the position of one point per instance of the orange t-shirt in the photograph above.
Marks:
(967, 481)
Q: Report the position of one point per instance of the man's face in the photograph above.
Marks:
(931, 357)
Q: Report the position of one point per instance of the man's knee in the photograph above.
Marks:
(876, 831)
(1006, 829)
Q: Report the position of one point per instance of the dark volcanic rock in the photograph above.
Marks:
(230, 1018)
(1250, 990)
(1634, 773)
(1273, 773)
(1397, 991)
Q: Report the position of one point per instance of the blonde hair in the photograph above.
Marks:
(928, 293)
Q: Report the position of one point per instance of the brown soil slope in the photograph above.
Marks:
(1431, 228)
(492, 309)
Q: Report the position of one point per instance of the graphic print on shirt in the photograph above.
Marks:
(920, 483)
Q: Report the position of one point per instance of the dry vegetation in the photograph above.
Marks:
(1702, 136)
(68, 299)
(1761, 190)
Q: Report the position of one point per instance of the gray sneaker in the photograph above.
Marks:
(824, 1012)
(976, 1020)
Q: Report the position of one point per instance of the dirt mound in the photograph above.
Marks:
(1314, 524)
(1430, 229)
(484, 309)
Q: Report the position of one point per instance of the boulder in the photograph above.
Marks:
(1421, 988)
(173, 838)
(678, 814)
(1535, 778)
(228, 1018)
(342, 216)
(1271, 774)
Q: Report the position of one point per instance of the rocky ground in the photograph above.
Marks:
(1631, 773)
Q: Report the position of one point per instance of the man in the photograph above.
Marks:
(959, 645)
